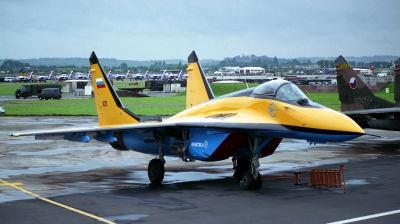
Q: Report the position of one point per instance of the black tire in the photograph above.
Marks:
(156, 171)
(47, 98)
(243, 165)
(25, 95)
(247, 181)
(257, 184)
(40, 98)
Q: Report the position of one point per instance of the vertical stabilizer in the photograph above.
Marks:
(397, 81)
(353, 93)
(109, 107)
(198, 89)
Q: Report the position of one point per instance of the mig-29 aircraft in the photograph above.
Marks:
(245, 125)
(359, 103)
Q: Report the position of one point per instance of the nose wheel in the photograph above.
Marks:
(156, 171)
(248, 181)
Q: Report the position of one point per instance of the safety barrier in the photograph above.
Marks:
(324, 178)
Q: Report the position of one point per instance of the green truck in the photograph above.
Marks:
(33, 90)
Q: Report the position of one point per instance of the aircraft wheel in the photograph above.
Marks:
(156, 171)
(257, 184)
(247, 181)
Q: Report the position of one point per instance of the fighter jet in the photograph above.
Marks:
(245, 125)
(65, 77)
(359, 103)
(122, 77)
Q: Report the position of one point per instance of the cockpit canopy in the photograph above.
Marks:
(281, 90)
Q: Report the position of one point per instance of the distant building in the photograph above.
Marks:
(251, 70)
(240, 71)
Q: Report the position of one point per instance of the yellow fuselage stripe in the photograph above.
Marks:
(14, 185)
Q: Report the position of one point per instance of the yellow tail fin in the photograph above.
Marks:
(198, 89)
(110, 109)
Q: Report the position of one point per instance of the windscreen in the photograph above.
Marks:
(289, 92)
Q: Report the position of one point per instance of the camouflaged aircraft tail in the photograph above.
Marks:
(354, 94)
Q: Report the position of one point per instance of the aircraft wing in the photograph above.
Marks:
(237, 121)
(382, 118)
(91, 129)
(373, 111)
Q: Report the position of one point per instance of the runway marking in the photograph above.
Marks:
(12, 184)
(366, 217)
(15, 185)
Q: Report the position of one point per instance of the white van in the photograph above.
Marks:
(8, 79)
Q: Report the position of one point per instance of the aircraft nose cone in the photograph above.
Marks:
(336, 125)
(341, 124)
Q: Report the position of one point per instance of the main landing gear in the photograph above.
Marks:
(156, 171)
(156, 168)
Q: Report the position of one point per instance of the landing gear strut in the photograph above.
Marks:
(247, 170)
(240, 166)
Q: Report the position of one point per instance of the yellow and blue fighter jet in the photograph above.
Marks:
(245, 125)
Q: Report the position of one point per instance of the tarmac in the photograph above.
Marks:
(67, 182)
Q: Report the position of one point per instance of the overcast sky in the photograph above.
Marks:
(215, 29)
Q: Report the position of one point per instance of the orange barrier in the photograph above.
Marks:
(297, 178)
(324, 178)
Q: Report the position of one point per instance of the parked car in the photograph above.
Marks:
(8, 79)
(50, 93)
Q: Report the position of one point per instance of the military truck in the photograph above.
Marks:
(33, 90)
(158, 85)
(155, 85)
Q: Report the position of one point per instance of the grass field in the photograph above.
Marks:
(164, 105)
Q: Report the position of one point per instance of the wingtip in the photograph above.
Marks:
(192, 57)
(93, 58)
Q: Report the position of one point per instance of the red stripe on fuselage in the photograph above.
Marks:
(229, 146)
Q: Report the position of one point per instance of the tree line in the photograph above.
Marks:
(268, 63)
